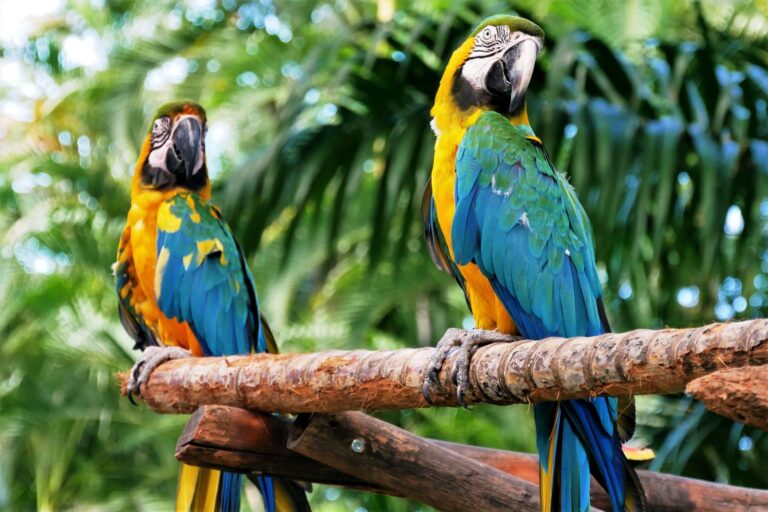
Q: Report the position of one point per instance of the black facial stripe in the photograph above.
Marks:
(159, 139)
(161, 131)
(476, 55)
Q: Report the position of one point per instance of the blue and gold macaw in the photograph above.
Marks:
(509, 228)
(185, 289)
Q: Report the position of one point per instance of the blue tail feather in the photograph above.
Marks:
(231, 488)
(581, 442)
(604, 448)
(267, 489)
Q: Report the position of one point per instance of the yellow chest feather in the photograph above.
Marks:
(488, 311)
(139, 249)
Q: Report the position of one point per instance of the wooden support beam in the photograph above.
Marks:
(235, 439)
(738, 393)
(394, 459)
(638, 362)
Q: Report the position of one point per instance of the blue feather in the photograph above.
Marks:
(229, 498)
(520, 222)
(215, 296)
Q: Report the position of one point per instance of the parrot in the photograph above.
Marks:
(508, 227)
(184, 288)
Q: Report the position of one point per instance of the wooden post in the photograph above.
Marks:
(235, 439)
(397, 460)
(638, 362)
(739, 393)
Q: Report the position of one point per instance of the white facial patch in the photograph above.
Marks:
(475, 70)
(157, 156)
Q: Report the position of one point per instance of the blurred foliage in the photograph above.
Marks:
(320, 147)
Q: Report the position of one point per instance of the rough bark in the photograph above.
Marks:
(637, 362)
(396, 460)
(235, 439)
(738, 393)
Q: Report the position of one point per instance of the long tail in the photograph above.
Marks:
(573, 439)
(211, 490)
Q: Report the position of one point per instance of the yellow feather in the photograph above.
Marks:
(198, 489)
(638, 454)
(166, 220)
(162, 261)
(283, 501)
(546, 478)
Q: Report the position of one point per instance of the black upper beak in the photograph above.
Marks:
(509, 76)
(187, 139)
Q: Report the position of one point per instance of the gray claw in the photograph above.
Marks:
(452, 338)
(460, 397)
(425, 391)
(151, 358)
(469, 345)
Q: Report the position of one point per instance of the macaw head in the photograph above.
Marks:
(491, 70)
(174, 150)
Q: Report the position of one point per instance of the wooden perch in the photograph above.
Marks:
(637, 362)
(235, 439)
(738, 393)
(395, 459)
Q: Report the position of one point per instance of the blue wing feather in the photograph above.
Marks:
(204, 281)
(520, 222)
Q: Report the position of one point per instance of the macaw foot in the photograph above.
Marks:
(477, 338)
(151, 358)
(452, 338)
(468, 342)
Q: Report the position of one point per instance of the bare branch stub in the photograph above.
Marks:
(737, 393)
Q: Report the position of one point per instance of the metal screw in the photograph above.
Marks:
(358, 445)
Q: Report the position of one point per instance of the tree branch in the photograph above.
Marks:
(638, 362)
(407, 464)
(739, 393)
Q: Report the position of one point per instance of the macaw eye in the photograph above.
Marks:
(161, 124)
(487, 34)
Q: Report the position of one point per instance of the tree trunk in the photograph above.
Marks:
(638, 362)
(738, 393)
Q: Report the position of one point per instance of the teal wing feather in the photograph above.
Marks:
(519, 221)
(202, 279)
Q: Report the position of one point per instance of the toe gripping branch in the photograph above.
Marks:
(467, 343)
(151, 358)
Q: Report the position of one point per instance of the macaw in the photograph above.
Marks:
(184, 287)
(508, 227)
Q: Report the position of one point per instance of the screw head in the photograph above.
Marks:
(357, 445)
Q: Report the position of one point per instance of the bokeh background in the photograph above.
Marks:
(319, 146)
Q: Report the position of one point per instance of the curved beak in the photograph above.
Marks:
(187, 147)
(511, 74)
